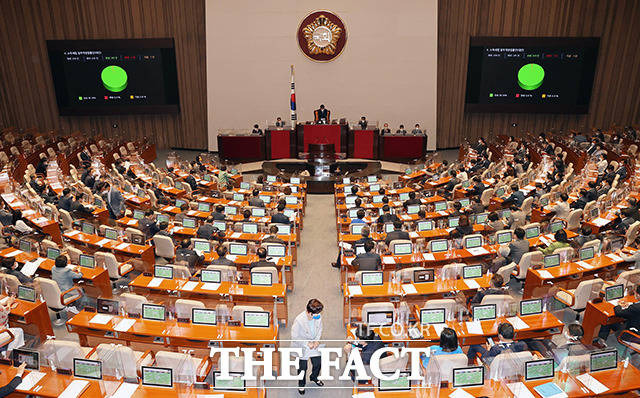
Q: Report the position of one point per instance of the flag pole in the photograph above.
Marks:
(294, 116)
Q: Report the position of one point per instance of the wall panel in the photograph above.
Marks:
(615, 98)
(26, 94)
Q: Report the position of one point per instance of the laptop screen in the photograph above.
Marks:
(540, 369)
(25, 245)
(261, 278)
(614, 292)
(210, 275)
(87, 368)
(454, 222)
(401, 249)
(504, 237)
(220, 225)
(53, 253)
(371, 278)
(138, 214)
(472, 271)
(439, 245)
(189, 222)
(230, 210)
(433, 315)
(551, 260)
(485, 311)
(403, 196)
(467, 377)
(235, 384)
(482, 218)
(88, 228)
(276, 251)
(258, 212)
(530, 307)
(157, 377)
(284, 229)
(153, 312)
(472, 242)
(250, 228)
(425, 225)
(238, 249)
(294, 180)
(203, 316)
(603, 360)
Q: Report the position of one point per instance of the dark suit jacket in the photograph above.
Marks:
(188, 255)
(262, 263)
(631, 314)
(222, 261)
(205, 231)
(322, 114)
(218, 216)
(65, 203)
(192, 182)
(274, 239)
(256, 202)
(148, 227)
(362, 124)
(367, 262)
(393, 235)
(385, 218)
(516, 198)
(84, 156)
(385, 131)
(280, 218)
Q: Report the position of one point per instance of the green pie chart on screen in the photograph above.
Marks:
(530, 76)
(114, 78)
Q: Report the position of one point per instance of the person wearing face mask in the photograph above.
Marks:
(305, 334)
(385, 129)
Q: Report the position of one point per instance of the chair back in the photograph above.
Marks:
(586, 291)
(407, 274)
(184, 306)
(228, 272)
(527, 260)
(450, 306)
(50, 292)
(62, 352)
(573, 223)
(452, 271)
(132, 303)
(502, 366)
(445, 365)
(272, 270)
(503, 303)
(632, 233)
(393, 243)
(375, 307)
(164, 246)
(237, 312)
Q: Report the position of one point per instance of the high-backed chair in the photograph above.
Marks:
(444, 364)
(109, 262)
(452, 271)
(632, 233)
(573, 223)
(526, 205)
(184, 307)
(407, 274)
(184, 366)
(485, 198)
(503, 302)
(65, 219)
(450, 306)
(164, 247)
(271, 270)
(10, 282)
(55, 299)
(395, 242)
(375, 307)
(237, 312)
(180, 271)
(132, 303)
(74, 254)
(577, 298)
(119, 360)
(506, 272)
(60, 353)
(528, 259)
(509, 364)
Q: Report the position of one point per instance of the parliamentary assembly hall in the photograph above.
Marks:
(340, 199)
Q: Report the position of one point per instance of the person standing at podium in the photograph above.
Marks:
(321, 116)
(363, 123)
(401, 130)
(416, 130)
(256, 130)
(279, 122)
(385, 129)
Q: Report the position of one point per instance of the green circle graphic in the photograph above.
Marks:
(114, 78)
(530, 76)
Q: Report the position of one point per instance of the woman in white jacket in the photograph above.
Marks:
(305, 333)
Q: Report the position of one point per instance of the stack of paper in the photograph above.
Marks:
(614, 257)
(236, 235)
(13, 253)
(519, 390)
(409, 289)
(414, 235)
(599, 221)
(478, 251)
(364, 395)
(388, 260)
(30, 267)
(460, 393)
(584, 264)
(210, 286)
(190, 285)
(74, 389)
(592, 384)
(133, 221)
(124, 325)
(517, 323)
(474, 327)
(428, 257)
(122, 246)
(103, 241)
(355, 290)
(545, 274)
(30, 380)
(101, 319)
(72, 233)
(471, 283)
(154, 282)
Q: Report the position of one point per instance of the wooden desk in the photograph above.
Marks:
(283, 264)
(168, 335)
(41, 223)
(437, 233)
(539, 326)
(352, 303)
(567, 275)
(120, 249)
(598, 314)
(53, 384)
(97, 282)
(32, 317)
(264, 296)
(618, 381)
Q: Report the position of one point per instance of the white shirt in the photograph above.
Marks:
(562, 210)
(22, 227)
(305, 331)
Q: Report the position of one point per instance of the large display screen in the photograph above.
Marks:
(530, 74)
(97, 77)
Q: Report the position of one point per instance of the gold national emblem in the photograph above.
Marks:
(322, 36)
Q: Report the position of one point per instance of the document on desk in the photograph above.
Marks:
(599, 222)
(124, 325)
(409, 288)
(133, 221)
(101, 319)
(592, 384)
(584, 264)
(517, 323)
(236, 235)
(355, 290)
(615, 257)
(74, 389)
(388, 260)
(460, 393)
(30, 267)
(544, 240)
(414, 235)
(428, 257)
(550, 390)
(232, 257)
(125, 390)
(190, 285)
(519, 390)
(30, 380)
(13, 253)
(478, 251)
(73, 233)
(443, 213)
(545, 274)
(29, 212)
(474, 327)
(155, 282)
(40, 220)
(103, 242)
(368, 394)
(471, 283)
(210, 286)
(122, 246)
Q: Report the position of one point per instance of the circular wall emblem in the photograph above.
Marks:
(322, 36)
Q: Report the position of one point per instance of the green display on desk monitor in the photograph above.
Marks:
(530, 76)
(114, 78)
(432, 315)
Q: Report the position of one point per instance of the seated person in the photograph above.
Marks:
(147, 225)
(501, 259)
(517, 196)
(255, 200)
(246, 215)
(218, 214)
(386, 216)
(627, 311)
(367, 261)
(518, 247)
(322, 115)
(19, 225)
(584, 237)
(569, 345)
(359, 217)
(505, 342)
(262, 259)
(273, 236)
(256, 130)
(363, 123)
(162, 229)
(416, 130)
(581, 201)
(561, 241)
(279, 122)
(186, 253)
(184, 208)
(494, 222)
(401, 130)
(10, 266)
(364, 233)
(413, 200)
(464, 227)
(397, 233)
(280, 217)
(385, 129)
(626, 219)
(561, 209)
(495, 287)
(222, 259)
(368, 342)
(448, 346)
(80, 210)
(65, 277)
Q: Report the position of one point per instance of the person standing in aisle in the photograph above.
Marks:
(305, 334)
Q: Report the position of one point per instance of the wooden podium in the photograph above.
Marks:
(335, 134)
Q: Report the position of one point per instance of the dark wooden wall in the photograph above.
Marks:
(27, 97)
(615, 97)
